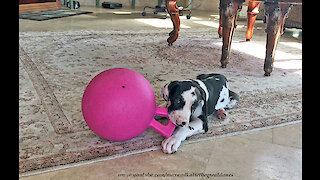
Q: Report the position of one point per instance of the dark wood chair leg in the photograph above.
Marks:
(220, 23)
(228, 15)
(173, 11)
(276, 15)
(253, 11)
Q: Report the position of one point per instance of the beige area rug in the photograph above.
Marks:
(55, 67)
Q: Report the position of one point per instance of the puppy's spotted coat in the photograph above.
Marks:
(190, 102)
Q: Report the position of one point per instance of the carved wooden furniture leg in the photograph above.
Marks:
(253, 11)
(173, 11)
(276, 15)
(220, 23)
(228, 15)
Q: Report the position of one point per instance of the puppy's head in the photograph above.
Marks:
(183, 98)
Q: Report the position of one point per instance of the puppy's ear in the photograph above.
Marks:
(201, 95)
(197, 101)
(198, 94)
(167, 89)
(165, 92)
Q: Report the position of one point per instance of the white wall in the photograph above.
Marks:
(87, 2)
(207, 5)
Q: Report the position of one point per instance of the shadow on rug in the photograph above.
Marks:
(52, 79)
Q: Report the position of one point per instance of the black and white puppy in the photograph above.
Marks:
(190, 102)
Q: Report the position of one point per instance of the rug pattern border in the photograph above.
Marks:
(58, 119)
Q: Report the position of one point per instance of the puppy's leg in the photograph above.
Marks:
(171, 144)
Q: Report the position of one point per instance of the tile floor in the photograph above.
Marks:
(267, 154)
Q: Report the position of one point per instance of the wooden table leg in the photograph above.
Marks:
(276, 15)
(173, 11)
(253, 11)
(228, 16)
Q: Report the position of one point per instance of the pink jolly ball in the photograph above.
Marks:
(118, 104)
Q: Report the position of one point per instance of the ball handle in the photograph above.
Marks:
(164, 130)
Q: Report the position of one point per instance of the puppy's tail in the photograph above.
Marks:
(234, 99)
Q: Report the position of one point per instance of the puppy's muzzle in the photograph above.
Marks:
(180, 123)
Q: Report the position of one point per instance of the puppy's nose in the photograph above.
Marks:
(182, 124)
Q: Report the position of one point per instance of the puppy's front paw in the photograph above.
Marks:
(171, 144)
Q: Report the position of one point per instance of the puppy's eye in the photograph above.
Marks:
(177, 101)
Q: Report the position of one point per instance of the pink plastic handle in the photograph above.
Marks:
(164, 130)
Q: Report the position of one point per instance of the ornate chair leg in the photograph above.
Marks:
(220, 23)
(173, 11)
(276, 15)
(228, 14)
(253, 11)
